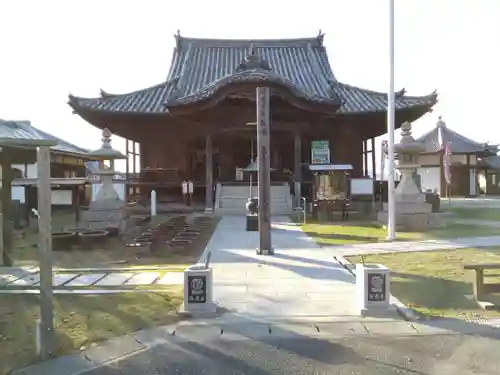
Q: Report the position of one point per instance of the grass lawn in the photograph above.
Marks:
(351, 232)
(114, 254)
(434, 282)
(476, 213)
(80, 320)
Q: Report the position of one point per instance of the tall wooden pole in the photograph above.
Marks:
(263, 119)
(47, 337)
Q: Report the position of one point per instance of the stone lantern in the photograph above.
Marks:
(107, 210)
(413, 213)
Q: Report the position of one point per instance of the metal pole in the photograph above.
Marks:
(45, 237)
(391, 221)
(264, 180)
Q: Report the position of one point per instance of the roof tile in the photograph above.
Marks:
(23, 130)
(199, 65)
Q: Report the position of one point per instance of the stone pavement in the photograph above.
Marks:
(479, 202)
(300, 282)
(409, 246)
(28, 278)
(478, 222)
(368, 347)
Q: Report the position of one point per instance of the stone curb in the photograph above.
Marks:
(102, 354)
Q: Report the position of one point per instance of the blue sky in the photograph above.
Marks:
(51, 48)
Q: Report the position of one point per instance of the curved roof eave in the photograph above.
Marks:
(152, 101)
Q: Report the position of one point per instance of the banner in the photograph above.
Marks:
(383, 156)
(447, 162)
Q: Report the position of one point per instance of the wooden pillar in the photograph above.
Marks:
(365, 157)
(374, 167)
(127, 170)
(297, 164)
(134, 191)
(209, 199)
(45, 249)
(263, 124)
(6, 200)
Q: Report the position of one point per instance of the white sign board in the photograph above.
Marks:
(362, 186)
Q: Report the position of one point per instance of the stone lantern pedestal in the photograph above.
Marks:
(107, 211)
(413, 213)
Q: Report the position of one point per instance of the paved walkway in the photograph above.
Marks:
(28, 278)
(477, 222)
(408, 246)
(301, 281)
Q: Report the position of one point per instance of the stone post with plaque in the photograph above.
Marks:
(373, 284)
(198, 291)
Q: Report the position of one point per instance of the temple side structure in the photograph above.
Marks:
(199, 124)
(468, 162)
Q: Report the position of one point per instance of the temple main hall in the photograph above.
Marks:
(199, 123)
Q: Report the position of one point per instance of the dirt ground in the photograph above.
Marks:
(114, 252)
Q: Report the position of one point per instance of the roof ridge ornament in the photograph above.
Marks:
(441, 124)
(253, 61)
(320, 37)
(105, 94)
(400, 93)
(178, 40)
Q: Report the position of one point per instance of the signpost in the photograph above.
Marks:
(320, 152)
(263, 156)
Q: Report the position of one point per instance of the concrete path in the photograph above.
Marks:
(475, 222)
(28, 278)
(301, 281)
(479, 202)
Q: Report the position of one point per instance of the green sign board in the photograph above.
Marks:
(320, 152)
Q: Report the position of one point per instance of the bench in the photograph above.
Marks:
(480, 287)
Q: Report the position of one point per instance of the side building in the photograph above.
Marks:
(67, 161)
(467, 162)
(199, 123)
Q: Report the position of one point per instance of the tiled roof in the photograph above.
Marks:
(24, 130)
(200, 66)
(441, 134)
(491, 162)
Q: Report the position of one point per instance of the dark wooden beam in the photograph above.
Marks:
(297, 163)
(374, 167)
(208, 174)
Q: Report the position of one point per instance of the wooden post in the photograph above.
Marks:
(209, 199)
(297, 164)
(6, 198)
(374, 167)
(75, 192)
(134, 191)
(365, 157)
(127, 170)
(263, 119)
(47, 339)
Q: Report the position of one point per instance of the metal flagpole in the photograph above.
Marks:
(391, 222)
